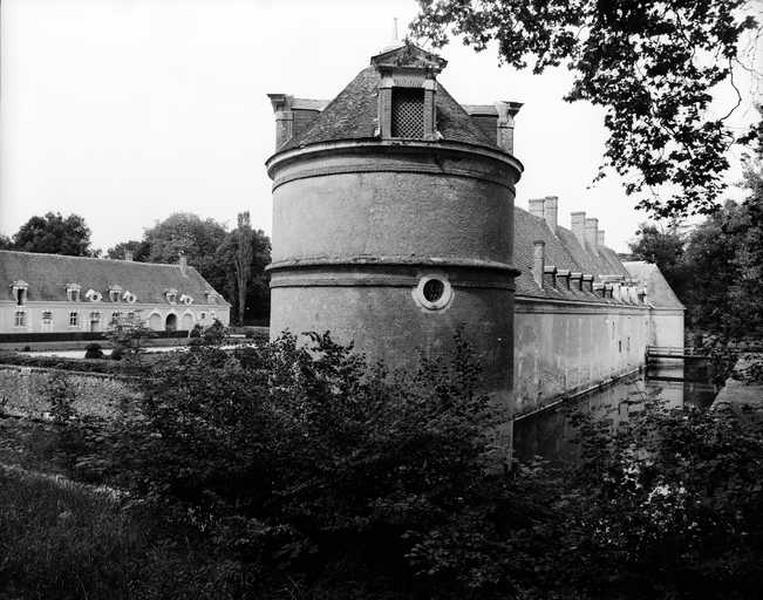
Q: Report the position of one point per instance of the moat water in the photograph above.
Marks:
(551, 434)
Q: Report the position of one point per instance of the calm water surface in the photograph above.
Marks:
(551, 434)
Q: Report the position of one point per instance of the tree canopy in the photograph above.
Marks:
(232, 262)
(651, 64)
(717, 269)
(54, 234)
(140, 250)
(246, 252)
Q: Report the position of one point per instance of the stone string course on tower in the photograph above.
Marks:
(394, 224)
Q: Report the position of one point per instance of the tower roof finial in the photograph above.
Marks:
(394, 29)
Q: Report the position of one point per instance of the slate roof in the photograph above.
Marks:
(48, 275)
(564, 251)
(352, 115)
(659, 293)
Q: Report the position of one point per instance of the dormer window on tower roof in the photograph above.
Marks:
(407, 92)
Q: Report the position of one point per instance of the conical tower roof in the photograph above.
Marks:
(353, 114)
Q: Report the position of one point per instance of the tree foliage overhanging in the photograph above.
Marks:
(717, 268)
(651, 64)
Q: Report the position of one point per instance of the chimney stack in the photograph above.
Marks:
(539, 261)
(183, 263)
(551, 212)
(577, 224)
(284, 117)
(537, 207)
(128, 255)
(591, 227)
(506, 112)
(600, 238)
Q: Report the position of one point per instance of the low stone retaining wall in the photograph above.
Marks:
(740, 395)
(24, 391)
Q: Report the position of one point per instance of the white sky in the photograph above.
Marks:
(124, 111)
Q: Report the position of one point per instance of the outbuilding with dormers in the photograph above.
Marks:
(51, 293)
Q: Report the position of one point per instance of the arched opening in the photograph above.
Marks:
(155, 322)
(186, 324)
(171, 323)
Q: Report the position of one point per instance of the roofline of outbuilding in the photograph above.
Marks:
(68, 256)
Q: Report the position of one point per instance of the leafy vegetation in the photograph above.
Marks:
(233, 262)
(317, 475)
(651, 65)
(717, 268)
(52, 234)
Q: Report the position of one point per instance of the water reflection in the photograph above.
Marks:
(550, 434)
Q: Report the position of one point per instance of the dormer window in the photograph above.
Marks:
(407, 92)
(171, 296)
(72, 292)
(115, 292)
(19, 290)
(407, 113)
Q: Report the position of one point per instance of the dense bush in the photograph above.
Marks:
(323, 477)
(93, 351)
(303, 461)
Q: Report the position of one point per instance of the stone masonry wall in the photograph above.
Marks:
(23, 392)
(564, 348)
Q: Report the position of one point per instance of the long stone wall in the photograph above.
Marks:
(562, 347)
(24, 392)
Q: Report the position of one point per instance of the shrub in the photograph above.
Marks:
(330, 478)
(305, 461)
(93, 351)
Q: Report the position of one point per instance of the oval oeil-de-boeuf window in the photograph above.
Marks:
(433, 292)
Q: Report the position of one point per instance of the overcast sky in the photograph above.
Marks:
(125, 111)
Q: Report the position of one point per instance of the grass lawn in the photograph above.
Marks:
(62, 540)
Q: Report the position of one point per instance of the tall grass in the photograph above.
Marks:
(59, 540)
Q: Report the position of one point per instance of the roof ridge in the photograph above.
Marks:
(135, 262)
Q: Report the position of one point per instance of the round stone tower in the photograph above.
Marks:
(392, 218)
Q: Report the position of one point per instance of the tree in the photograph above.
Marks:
(54, 234)
(242, 260)
(197, 239)
(5, 243)
(663, 246)
(251, 294)
(140, 250)
(650, 64)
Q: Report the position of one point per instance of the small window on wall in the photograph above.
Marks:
(47, 318)
(433, 292)
(19, 319)
(73, 319)
(407, 113)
